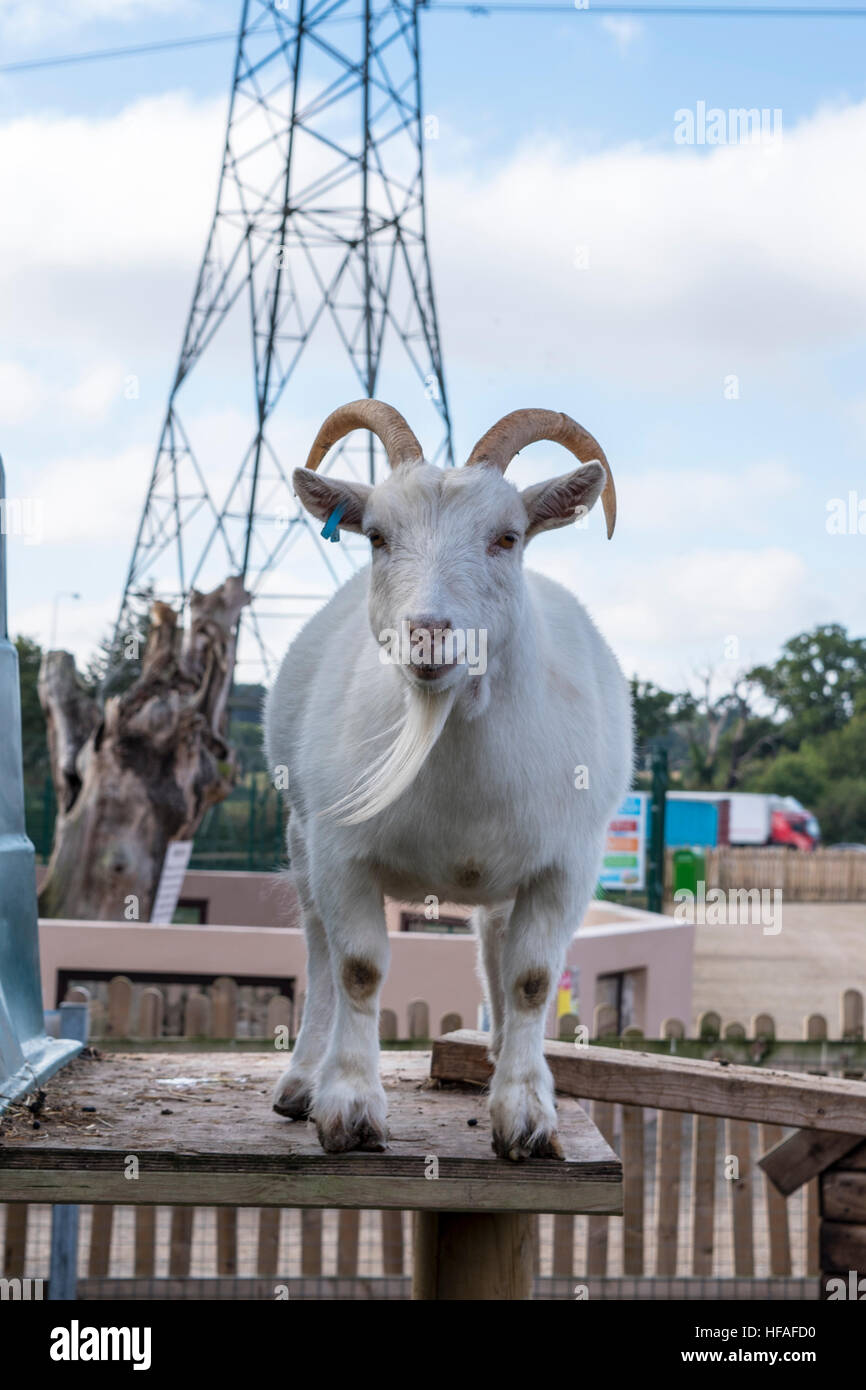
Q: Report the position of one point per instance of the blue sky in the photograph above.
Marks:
(556, 132)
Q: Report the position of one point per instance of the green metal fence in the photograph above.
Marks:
(246, 831)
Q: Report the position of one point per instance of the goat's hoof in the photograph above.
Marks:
(528, 1146)
(293, 1096)
(351, 1121)
(523, 1116)
(343, 1137)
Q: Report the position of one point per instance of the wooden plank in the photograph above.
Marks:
(201, 1148)
(854, 1160)
(599, 1226)
(227, 1241)
(180, 1242)
(419, 1019)
(671, 1083)
(851, 1014)
(563, 1245)
(224, 1007)
(311, 1242)
(669, 1139)
(737, 1138)
(268, 1243)
(99, 1255)
(703, 1193)
(633, 1189)
(813, 1226)
(843, 1197)
(197, 1015)
(144, 1258)
(119, 1005)
(803, 1155)
(843, 1247)
(348, 1240)
(472, 1257)
(392, 1242)
(388, 1027)
(777, 1212)
(15, 1240)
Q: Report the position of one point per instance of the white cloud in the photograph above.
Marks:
(120, 192)
(624, 31)
(94, 497)
(21, 393)
(671, 502)
(697, 261)
(669, 612)
(30, 20)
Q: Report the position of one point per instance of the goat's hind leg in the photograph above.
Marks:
(491, 924)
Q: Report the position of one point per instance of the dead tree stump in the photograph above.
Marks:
(142, 771)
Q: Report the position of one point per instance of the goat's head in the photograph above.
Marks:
(447, 544)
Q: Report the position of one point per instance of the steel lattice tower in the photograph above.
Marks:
(316, 267)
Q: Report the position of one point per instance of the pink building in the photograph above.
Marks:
(245, 925)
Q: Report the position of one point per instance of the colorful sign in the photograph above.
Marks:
(624, 863)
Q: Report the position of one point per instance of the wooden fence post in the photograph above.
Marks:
(419, 1019)
(119, 1005)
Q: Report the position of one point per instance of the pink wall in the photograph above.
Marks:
(437, 968)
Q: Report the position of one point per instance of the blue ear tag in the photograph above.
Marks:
(331, 528)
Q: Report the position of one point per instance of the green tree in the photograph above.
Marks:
(801, 773)
(33, 736)
(841, 811)
(654, 711)
(816, 681)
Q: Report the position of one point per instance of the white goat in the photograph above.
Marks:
(426, 774)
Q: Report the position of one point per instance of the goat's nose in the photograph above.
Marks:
(427, 624)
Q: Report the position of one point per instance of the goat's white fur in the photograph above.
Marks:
(475, 799)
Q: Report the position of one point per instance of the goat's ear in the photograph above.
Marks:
(320, 495)
(560, 501)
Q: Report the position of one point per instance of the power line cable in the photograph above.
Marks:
(480, 10)
(67, 58)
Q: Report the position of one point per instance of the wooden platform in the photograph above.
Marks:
(202, 1131)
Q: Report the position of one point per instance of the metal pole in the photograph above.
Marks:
(63, 1277)
(656, 878)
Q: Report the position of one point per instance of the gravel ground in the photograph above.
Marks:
(819, 952)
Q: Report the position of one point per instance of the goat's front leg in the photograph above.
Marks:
(348, 1099)
(522, 1109)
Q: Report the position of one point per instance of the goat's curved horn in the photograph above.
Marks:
(513, 432)
(386, 423)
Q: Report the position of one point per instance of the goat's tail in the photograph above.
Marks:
(397, 768)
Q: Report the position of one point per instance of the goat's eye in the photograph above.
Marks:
(507, 541)
(376, 539)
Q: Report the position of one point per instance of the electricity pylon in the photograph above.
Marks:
(315, 270)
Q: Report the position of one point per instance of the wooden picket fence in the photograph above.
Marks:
(694, 1225)
(710, 1027)
(140, 1013)
(826, 875)
(134, 1011)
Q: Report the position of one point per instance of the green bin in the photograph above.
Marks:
(689, 869)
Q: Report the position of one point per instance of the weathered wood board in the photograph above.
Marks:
(669, 1083)
(202, 1132)
(803, 1155)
